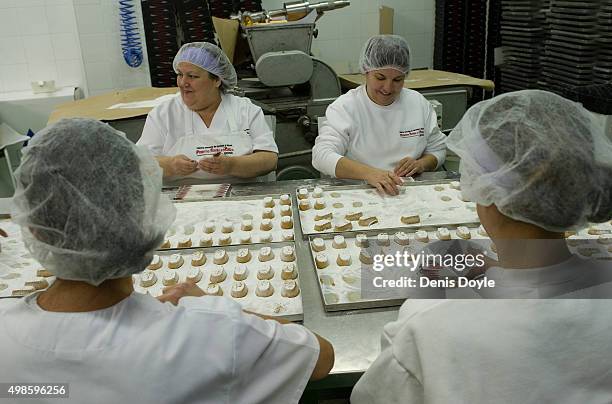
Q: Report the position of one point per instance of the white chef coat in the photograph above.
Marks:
(379, 136)
(206, 350)
(171, 120)
(498, 351)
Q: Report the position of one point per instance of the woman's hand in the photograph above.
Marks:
(217, 164)
(407, 167)
(182, 165)
(174, 293)
(385, 182)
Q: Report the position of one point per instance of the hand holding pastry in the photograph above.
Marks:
(385, 182)
(407, 167)
(217, 164)
(182, 165)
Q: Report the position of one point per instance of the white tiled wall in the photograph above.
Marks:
(99, 35)
(38, 41)
(343, 32)
(74, 42)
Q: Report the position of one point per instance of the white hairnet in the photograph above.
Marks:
(385, 52)
(89, 202)
(210, 58)
(540, 158)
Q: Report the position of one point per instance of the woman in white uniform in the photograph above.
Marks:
(380, 131)
(537, 165)
(204, 132)
(91, 330)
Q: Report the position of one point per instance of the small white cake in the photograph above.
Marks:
(184, 242)
(239, 289)
(218, 275)
(285, 199)
(290, 289)
(302, 193)
(147, 279)
(344, 259)
(243, 255)
(194, 275)
(206, 240)
(227, 227)
(198, 259)
(268, 202)
(170, 278)
(156, 263)
(318, 244)
(264, 289)
(361, 240)
(339, 242)
(241, 272)
(382, 239)
(288, 272)
(246, 225)
(265, 272)
(287, 254)
(220, 257)
(175, 261)
(209, 227)
(265, 254)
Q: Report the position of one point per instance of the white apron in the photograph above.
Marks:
(198, 146)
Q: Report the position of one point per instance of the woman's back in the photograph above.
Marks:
(205, 350)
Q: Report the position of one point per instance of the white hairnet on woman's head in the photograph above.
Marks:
(385, 52)
(540, 158)
(210, 58)
(89, 202)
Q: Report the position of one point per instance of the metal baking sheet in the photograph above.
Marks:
(192, 217)
(340, 286)
(289, 308)
(437, 203)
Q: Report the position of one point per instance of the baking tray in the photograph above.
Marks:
(274, 305)
(340, 286)
(416, 198)
(17, 266)
(193, 216)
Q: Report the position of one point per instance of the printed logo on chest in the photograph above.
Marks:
(412, 132)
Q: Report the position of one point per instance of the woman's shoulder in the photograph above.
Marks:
(413, 95)
(238, 101)
(350, 100)
(173, 104)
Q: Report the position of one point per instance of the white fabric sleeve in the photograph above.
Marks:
(274, 361)
(333, 140)
(261, 134)
(387, 380)
(436, 140)
(152, 136)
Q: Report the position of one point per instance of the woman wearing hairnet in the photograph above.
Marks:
(380, 131)
(90, 209)
(204, 132)
(537, 165)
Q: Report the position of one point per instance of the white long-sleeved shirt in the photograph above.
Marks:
(205, 350)
(501, 351)
(379, 136)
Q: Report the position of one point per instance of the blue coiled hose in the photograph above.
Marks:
(130, 35)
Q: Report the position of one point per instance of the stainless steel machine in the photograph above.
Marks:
(287, 81)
